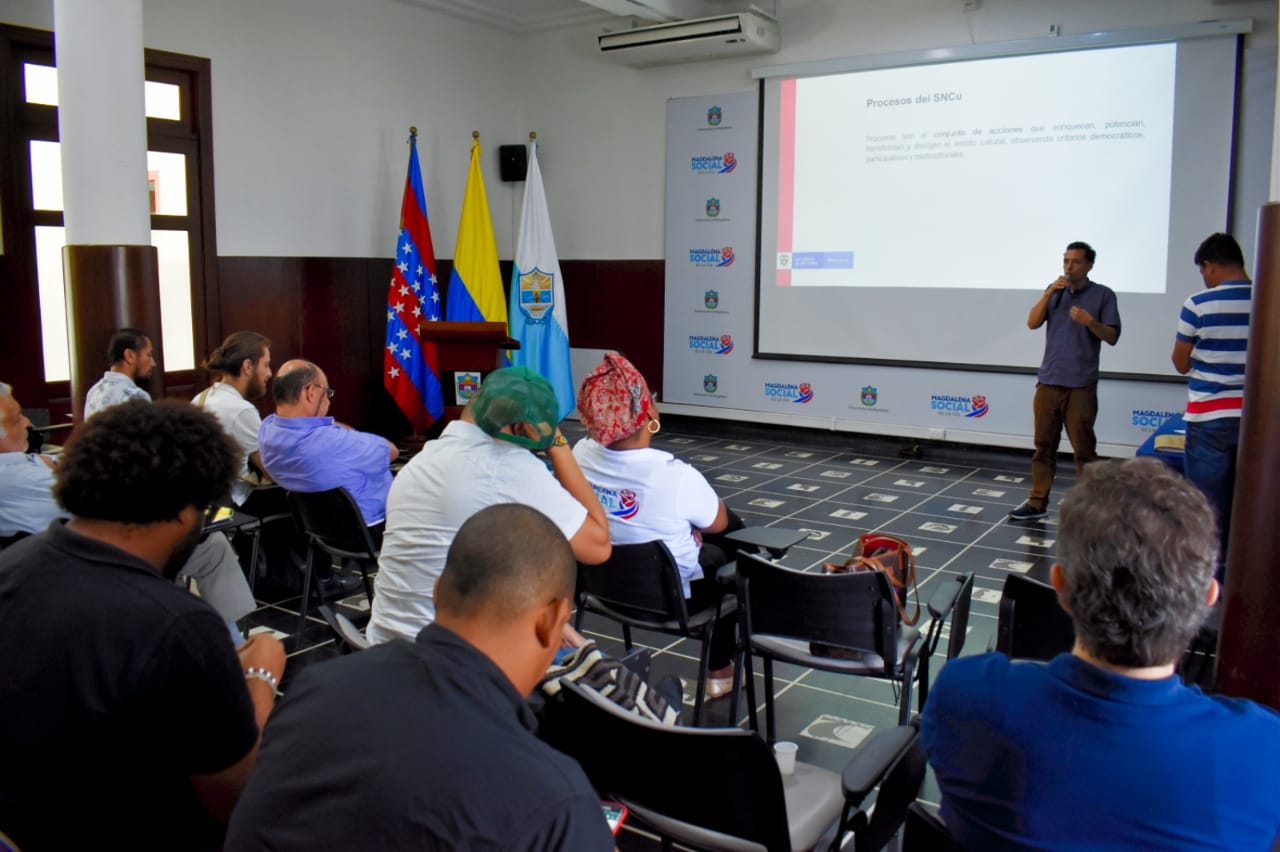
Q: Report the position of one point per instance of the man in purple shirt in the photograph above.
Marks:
(305, 450)
(1080, 314)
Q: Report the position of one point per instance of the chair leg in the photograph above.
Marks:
(626, 636)
(904, 706)
(770, 724)
(307, 574)
(253, 559)
(923, 689)
(750, 678)
(737, 686)
(368, 586)
(577, 617)
(700, 688)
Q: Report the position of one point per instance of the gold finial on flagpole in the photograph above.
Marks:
(413, 131)
(532, 135)
(475, 134)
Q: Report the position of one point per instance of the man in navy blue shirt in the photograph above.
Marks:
(1105, 747)
(1080, 314)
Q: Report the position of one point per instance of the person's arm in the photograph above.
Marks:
(219, 791)
(1040, 310)
(1105, 333)
(1182, 356)
(721, 521)
(590, 543)
(256, 466)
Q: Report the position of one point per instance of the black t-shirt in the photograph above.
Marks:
(117, 685)
(423, 745)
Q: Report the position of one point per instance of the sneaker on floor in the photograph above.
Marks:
(1028, 511)
(719, 683)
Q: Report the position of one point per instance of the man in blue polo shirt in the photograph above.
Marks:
(1080, 315)
(305, 450)
(1210, 347)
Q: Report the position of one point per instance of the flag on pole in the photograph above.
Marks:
(475, 285)
(410, 371)
(539, 319)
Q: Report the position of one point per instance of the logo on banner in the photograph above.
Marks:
(801, 392)
(869, 396)
(709, 257)
(710, 383)
(714, 164)
(465, 386)
(714, 116)
(537, 295)
(713, 207)
(951, 405)
(711, 299)
(1149, 420)
(709, 344)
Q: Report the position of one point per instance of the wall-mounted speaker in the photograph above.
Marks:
(513, 162)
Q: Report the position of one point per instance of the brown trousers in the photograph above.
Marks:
(1054, 408)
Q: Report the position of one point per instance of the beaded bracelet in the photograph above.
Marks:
(256, 673)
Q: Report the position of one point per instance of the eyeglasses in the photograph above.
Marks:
(328, 391)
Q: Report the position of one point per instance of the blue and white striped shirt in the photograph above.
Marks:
(1216, 322)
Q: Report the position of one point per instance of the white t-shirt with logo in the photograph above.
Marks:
(649, 494)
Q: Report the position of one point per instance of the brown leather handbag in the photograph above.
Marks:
(876, 551)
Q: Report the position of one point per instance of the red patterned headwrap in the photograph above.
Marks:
(614, 401)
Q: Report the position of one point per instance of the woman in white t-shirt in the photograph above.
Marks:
(650, 495)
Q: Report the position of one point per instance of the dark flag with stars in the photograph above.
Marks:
(410, 372)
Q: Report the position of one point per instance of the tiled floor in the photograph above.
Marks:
(950, 503)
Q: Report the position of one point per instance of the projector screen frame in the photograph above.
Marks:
(944, 55)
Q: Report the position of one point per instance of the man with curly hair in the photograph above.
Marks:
(1105, 747)
(127, 713)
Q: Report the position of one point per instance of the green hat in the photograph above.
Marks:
(517, 395)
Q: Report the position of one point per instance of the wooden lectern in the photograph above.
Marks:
(464, 347)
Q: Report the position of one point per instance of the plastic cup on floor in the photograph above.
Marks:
(785, 754)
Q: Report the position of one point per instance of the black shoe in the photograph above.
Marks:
(339, 587)
(1028, 511)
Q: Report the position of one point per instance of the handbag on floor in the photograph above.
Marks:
(875, 551)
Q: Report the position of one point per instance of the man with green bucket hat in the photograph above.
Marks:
(484, 458)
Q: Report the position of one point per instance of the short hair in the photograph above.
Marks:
(1138, 546)
(505, 560)
(1089, 253)
(124, 339)
(1221, 249)
(288, 387)
(228, 357)
(141, 463)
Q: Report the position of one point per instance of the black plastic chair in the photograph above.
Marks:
(1032, 625)
(893, 760)
(333, 523)
(734, 798)
(924, 831)
(854, 615)
(640, 587)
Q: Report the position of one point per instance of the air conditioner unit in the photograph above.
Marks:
(738, 34)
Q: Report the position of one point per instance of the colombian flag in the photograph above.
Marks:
(475, 286)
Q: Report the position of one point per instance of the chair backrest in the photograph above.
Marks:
(1032, 625)
(960, 617)
(640, 584)
(723, 780)
(853, 610)
(332, 520)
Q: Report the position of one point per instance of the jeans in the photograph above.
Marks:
(1209, 461)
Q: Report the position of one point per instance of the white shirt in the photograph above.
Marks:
(241, 420)
(651, 495)
(453, 477)
(112, 389)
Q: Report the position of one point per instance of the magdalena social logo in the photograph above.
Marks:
(709, 344)
(709, 257)
(1149, 420)
(714, 116)
(711, 299)
(620, 503)
(801, 392)
(951, 405)
(714, 164)
(713, 208)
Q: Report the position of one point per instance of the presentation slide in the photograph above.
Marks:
(943, 195)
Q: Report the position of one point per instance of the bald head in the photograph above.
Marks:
(300, 389)
(505, 561)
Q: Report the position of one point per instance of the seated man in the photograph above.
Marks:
(1104, 747)
(127, 715)
(27, 505)
(305, 450)
(450, 760)
(131, 358)
(241, 367)
(479, 460)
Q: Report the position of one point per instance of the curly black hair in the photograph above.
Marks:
(140, 463)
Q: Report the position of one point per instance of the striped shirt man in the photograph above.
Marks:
(1215, 322)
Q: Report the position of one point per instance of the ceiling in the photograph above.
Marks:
(525, 16)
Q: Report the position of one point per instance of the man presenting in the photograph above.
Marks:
(1211, 345)
(126, 711)
(479, 460)
(449, 759)
(131, 358)
(1105, 747)
(305, 450)
(1080, 315)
